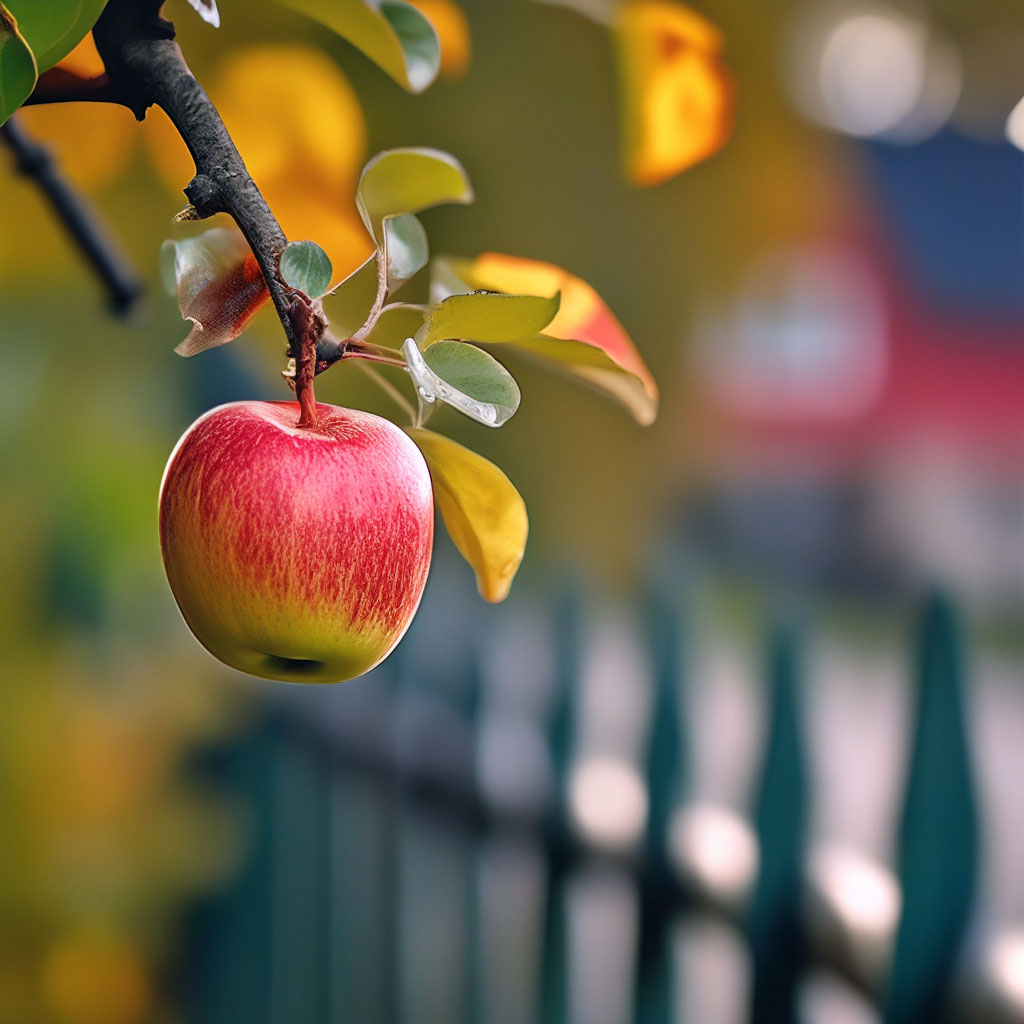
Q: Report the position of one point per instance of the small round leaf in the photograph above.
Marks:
(306, 267)
(474, 373)
(406, 246)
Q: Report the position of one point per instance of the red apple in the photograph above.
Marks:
(294, 553)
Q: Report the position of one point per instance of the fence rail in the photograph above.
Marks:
(422, 858)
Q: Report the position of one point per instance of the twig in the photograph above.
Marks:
(146, 67)
(119, 277)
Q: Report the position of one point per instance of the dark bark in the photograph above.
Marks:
(146, 67)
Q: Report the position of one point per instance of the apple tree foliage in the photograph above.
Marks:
(450, 346)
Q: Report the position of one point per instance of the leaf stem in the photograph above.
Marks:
(374, 353)
(379, 300)
(145, 66)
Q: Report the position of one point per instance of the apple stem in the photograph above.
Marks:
(307, 408)
(305, 325)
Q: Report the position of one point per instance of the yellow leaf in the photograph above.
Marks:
(483, 512)
(677, 97)
(452, 29)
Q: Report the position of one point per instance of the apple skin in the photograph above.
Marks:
(294, 553)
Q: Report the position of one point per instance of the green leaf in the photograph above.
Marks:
(464, 377)
(17, 66)
(305, 266)
(406, 181)
(474, 373)
(482, 510)
(349, 302)
(53, 28)
(405, 246)
(490, 317)
(392, 33)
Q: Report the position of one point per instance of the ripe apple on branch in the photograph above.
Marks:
(296, 536)
(297, 539)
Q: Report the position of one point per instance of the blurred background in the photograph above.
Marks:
(746, 741)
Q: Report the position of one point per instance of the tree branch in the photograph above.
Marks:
(34, 161)
(146, 67)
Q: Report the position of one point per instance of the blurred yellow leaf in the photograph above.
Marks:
(95, 977)
(678, 98)
(302, 141)
(84, 59)
(313, 112)
(94, 150)
(483, 512)
(115, 759)
(452, 29)
(584, 339)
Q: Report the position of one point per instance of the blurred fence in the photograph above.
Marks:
(450, 842)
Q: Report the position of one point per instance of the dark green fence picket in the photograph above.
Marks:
(665, 777)
(300, 915)
(938, 840)
(777, 942)
(231, 929)
(568, 642)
